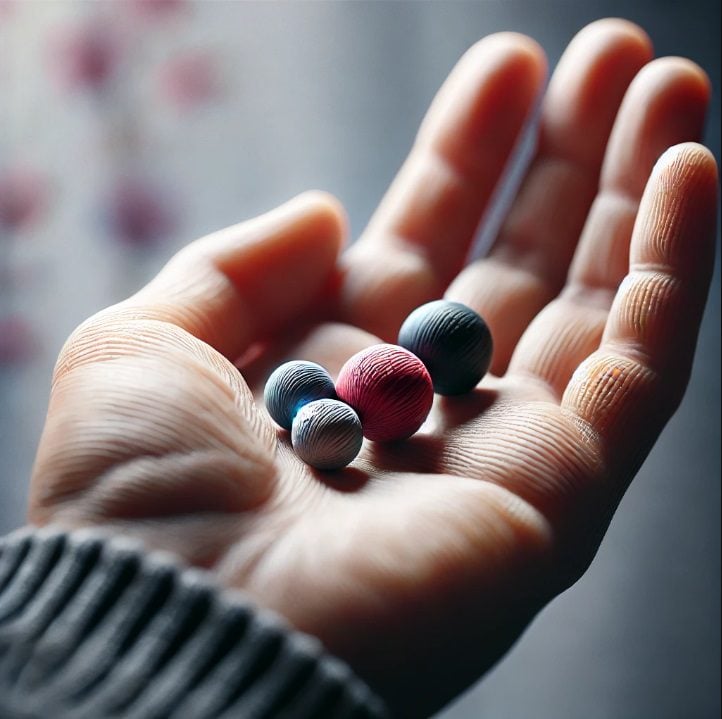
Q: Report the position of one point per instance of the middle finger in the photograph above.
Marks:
(528, 262)
(419, 237)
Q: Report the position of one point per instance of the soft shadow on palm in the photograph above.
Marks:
(424, 560)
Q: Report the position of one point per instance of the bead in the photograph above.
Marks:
(293, 385)
(389, 388)
(326, 434)
(452, 341)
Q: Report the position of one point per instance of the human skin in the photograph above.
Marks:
(422, 562)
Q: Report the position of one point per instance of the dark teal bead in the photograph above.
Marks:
(452, 341)
(294, 384)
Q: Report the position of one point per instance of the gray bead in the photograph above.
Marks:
(326, 434)
(452, 341)
(294, 384)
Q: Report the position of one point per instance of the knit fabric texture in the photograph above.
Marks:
(93, 627)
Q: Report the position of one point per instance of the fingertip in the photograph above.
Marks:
(500, 75)
(690, 171)
(666, 104)
(588, 86)
(688, 67)
(522, 53)
(686, 165)
(327, 213)
(610, 47)
(613, 45)
(617, 30)
(313, 221)
(678, 215)
(680, 71)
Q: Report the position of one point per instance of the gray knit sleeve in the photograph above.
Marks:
(93, 628)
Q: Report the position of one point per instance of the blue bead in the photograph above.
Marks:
(452, 341)
(294, 384)
(327, 434)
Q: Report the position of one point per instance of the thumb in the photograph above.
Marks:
(245, 282)
(147, 414)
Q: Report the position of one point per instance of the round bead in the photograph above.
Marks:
(389, 388)
(294, 384)
(326, 434)
(452, 341)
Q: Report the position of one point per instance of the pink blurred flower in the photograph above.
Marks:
(23, 195)
(139, 213)
(6, 8)
(86, 56)
(17, 343)
(156, 9)
(189, 79)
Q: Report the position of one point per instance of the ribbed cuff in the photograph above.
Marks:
(93, 627)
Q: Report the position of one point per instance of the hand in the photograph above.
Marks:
(422, 562)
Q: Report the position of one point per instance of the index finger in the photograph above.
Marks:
(420, 235)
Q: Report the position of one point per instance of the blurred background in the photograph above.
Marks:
(129, 128)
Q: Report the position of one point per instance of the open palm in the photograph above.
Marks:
(424, 560)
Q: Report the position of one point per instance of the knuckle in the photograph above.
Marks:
(607, 389)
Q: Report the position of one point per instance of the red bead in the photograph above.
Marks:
(389, 388)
